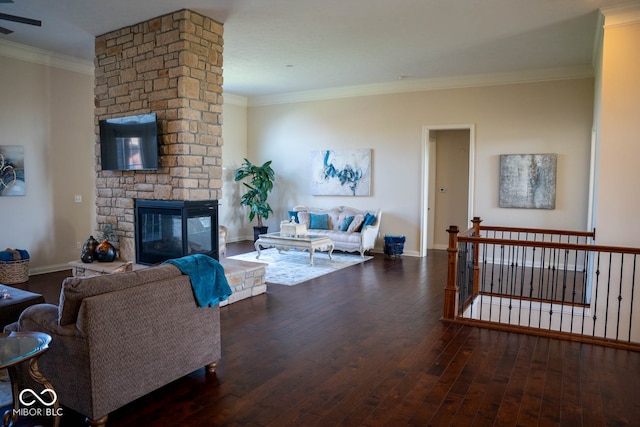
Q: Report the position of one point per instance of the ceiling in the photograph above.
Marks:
(276, 47)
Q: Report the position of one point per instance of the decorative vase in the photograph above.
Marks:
(89, 250)
(105, 252)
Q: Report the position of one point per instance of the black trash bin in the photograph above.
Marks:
(393, 245)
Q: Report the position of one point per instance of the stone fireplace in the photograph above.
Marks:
(171, 66)
(167, 229)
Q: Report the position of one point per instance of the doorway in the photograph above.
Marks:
(447, 182)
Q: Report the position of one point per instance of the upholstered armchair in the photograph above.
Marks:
(120, 336)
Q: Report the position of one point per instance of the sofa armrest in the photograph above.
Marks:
(369, 234)
(43, 318)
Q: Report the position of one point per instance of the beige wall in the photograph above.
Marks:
(234, 150)
(49, 111)
(543, 117)
(618, 199)
(524, 118)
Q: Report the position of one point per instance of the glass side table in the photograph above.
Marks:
(22, 347)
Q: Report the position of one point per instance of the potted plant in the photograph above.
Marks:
(259, 187)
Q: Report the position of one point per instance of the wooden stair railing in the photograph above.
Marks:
(576, 283)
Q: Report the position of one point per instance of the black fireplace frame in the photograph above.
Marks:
(185, 209)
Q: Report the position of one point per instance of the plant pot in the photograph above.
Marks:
(257, 231)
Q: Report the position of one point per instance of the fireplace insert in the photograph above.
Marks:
(167, 229)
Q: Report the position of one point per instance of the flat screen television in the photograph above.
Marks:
(129, 143)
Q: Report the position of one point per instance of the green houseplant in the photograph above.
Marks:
(260, 184)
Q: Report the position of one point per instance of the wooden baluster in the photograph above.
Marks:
(451, 290)
(476, 256)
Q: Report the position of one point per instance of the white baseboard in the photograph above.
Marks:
(48, 269)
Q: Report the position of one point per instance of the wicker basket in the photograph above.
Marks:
(14, 271)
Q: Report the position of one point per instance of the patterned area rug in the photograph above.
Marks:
(292, 267)
(5, 388)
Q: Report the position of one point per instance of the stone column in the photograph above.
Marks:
(171, 66)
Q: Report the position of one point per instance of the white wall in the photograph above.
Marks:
(542, 117)
(49, 111)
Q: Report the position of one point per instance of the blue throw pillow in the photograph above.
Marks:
(347, 222)
(319, 221)
(8, 255)
(368, 220)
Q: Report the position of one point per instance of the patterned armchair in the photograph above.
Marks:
(118, 337)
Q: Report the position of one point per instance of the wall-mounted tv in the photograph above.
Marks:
(129, 143)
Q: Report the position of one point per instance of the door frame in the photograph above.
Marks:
(428, 187)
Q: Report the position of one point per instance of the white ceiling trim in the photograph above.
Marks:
(34, 55)
(625, 14)
(231, 99)
(39, 56)
(582, 71)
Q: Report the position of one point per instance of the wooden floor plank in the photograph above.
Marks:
(510, 406)
(365, 346)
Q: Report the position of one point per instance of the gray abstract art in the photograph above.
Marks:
(528, 181)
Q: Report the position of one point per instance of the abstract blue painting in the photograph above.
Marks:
(12, 170)
(341, 172)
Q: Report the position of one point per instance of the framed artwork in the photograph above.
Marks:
(12, 170)
(341, 172)
(528, 181)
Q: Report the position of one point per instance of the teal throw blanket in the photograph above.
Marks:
(208, 281)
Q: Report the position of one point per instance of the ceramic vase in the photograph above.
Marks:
(105, 252)
(89, 250)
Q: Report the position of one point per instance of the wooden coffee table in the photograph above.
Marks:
(309, 243)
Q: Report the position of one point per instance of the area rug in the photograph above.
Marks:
(5, 388)
(292, 267)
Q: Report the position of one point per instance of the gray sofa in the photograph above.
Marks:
(118, 337)
(353, 239)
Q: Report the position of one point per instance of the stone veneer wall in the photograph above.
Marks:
(171, 66)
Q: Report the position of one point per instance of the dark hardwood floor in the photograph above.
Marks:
(365, 346)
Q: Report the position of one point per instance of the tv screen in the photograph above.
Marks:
(129, 143)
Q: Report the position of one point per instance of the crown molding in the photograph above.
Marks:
(419, 85)
(622, 14)
(43, 57)
(231, 99)
(39, 56)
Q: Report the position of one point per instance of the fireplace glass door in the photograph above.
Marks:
(172, 229)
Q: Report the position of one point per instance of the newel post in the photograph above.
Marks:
(451, 290)
(476, 252)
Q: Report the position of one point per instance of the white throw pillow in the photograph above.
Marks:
(356, 223)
